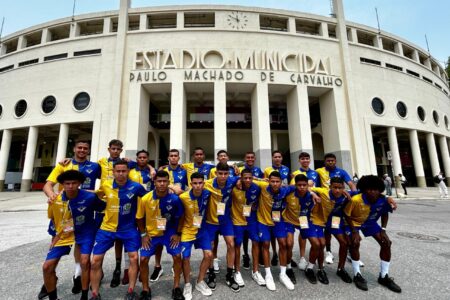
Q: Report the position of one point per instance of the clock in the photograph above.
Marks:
(237, 20)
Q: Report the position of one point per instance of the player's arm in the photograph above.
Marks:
(352, 185)
(391, 202)
(146, 240)
(49, 192)
(356, 238)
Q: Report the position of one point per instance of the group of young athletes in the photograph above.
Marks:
(143, 210)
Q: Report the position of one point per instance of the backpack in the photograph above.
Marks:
(436, 179)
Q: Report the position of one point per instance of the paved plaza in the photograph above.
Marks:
(419, 230)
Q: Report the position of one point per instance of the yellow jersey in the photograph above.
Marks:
(60, 214)
(193, 206)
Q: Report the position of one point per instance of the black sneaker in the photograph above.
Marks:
(211, 281)
(246, 261)
(98, 297)
(177, 294)
(115, 281)
(229, 279)
(145, 295)
(76, 289)
(322, 276)
(294, 264)
(157, 272)
(274, 260)
(84, 297)
(344, 275)
(291, 275)
(43, 293)
(360, 282)
(389, 283)
(131, 296)
(309, 273)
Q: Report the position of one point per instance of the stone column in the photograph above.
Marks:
(445, 157)
(4, 154)
(393, 146)
(299, 125)
(137, 120)
(178, 119)
(29, 159)
(220, 117)
(434, 161)
(261, 125)
(417, 158)
(62, 142)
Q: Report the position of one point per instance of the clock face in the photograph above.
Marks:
(237, 20)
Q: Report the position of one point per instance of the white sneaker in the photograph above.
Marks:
(258, 278)
(270, 284)
(238, 279)
(361, 264)
(203, 288)
(287, 282)
(187, 291)
(329, 257)
(216, 265)
(302, 264)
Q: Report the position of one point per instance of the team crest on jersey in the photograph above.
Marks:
(89, 171)
(130, 195)
(79, 220)
(126, 209)
(169, 207)
(81, 208)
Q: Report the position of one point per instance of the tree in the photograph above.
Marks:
(447, 67)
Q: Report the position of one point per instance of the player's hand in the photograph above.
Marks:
(347, 195)
(146, 242)
(356, 238)
(126, 159)
(236, 170)
(392, 203)
(152, 171)
(52, 197)
(65, 161)
(54, 241)
(176, 189)
(239, 184)
(174, 241)
(316, 199)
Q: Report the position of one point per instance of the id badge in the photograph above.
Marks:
(197, 221)
(161, 223)
(220, 209)
(276, 216)
(67, 225)
(247, 210)
(335, 222)
(303, 220)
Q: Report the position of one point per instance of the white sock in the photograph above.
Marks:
(282, 270)
(384, 266)
(310, 266)
(268, 273)
(355, 265)
(77, 270)
(289, 266)
(126, 259)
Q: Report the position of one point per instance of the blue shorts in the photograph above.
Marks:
(201, 242)
(98, 218)
(104, 240)
(58, 252)
(163, 240)
(265, 232)
(51, 228)
(225, 228)
(335, 231)
(290, 228)
(314, 231)
(367, 229)
(86, 245)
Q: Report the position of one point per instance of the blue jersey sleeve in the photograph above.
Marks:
(132, 164)
(140, 190)
(345, 176)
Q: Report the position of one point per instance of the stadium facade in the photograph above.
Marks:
(221, 77)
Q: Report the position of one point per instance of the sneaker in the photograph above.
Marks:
(309, 273)
(302, 264)
(344, 275)
(211, 281)
(43, 293)
(76, 289)
(157, 272)
(229, 279)
(145, 295)
(274, 261)
(246, 261)
(131, 296)
(360, 282)
(115, 281)
(203, 288)
(257, 277)
(291, 275)
(238, 279)
(284, 279)
(187, 291)
(293, 264)
(177, 294)
(96, 297)
(125, 279)
(216, 265)
(270, 284)
(322, 276)
(361, 264)
(389, 283)
(329, 257)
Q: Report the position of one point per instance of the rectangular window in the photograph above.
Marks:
(273, 23)
(87, 52)
(370, 61)
(193, 20)
(390, 66)
(10, 67)
(412, 73)
(427, 79)
(307, 27)
(438, 86)
(29, 62)
(332, 31)
(133, 22)
(91, 27)
(59, 33)
(33, 39)
(365, 38)
(161, 21)
(54, 57)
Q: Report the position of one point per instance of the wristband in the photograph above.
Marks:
(143, 234)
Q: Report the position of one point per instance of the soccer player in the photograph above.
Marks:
(362, 214)
(243, 215)
(198, 165)
(119, 223)
(313, 180)
(218, 220)
(141, 173)
(271, 223)
(158, 217)
(195, 202)
(91, 171)
(249, 159)
(326, 173)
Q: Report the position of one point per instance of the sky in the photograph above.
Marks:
(409, 19)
